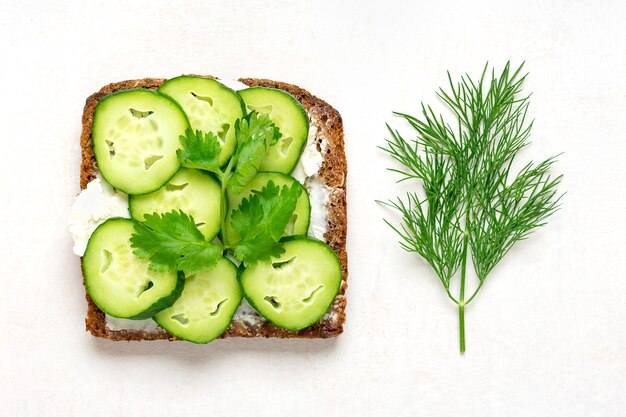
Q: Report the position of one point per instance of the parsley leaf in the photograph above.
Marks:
(199, 150)
(172, 242)
(255, 134)
(260, 220)
(199, 257)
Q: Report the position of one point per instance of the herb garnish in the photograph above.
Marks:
(260, 220)
(255, 134)
(172, 242)
(472, 201)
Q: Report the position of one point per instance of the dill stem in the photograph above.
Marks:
(462, 294)
(462, 327)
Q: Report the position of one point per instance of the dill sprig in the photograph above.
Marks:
(472, 202)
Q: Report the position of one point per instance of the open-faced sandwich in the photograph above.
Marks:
(211, 209)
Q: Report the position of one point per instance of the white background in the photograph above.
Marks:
(545, 337)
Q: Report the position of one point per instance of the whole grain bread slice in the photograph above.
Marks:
(332, 172)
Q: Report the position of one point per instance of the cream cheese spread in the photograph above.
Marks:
(319, 195)
(306, 172)
(95, 204)
(114, 323)
(311, 159)
(233, 84)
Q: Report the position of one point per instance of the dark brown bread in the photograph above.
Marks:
(333, 173)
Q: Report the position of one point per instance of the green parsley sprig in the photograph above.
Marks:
(472, 202)
(255, 134)
(261, 219)
(172, 241)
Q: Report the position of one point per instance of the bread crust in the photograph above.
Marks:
(333, 173)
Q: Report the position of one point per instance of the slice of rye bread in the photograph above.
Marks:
(332, 172)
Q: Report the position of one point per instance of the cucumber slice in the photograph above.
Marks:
(120, 283)
(190, 190)
(135, 136)
(289, 116)
(295, 290)
(299, 223)
(210, 106)
(207, 305)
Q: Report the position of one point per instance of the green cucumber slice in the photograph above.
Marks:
(120, 283)
(289, 116)
(298, 225)
(210, 106)
(193, 191)
(135, 136)
(295, 290)
(207, 305)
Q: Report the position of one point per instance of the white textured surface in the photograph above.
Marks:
(546, 336)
